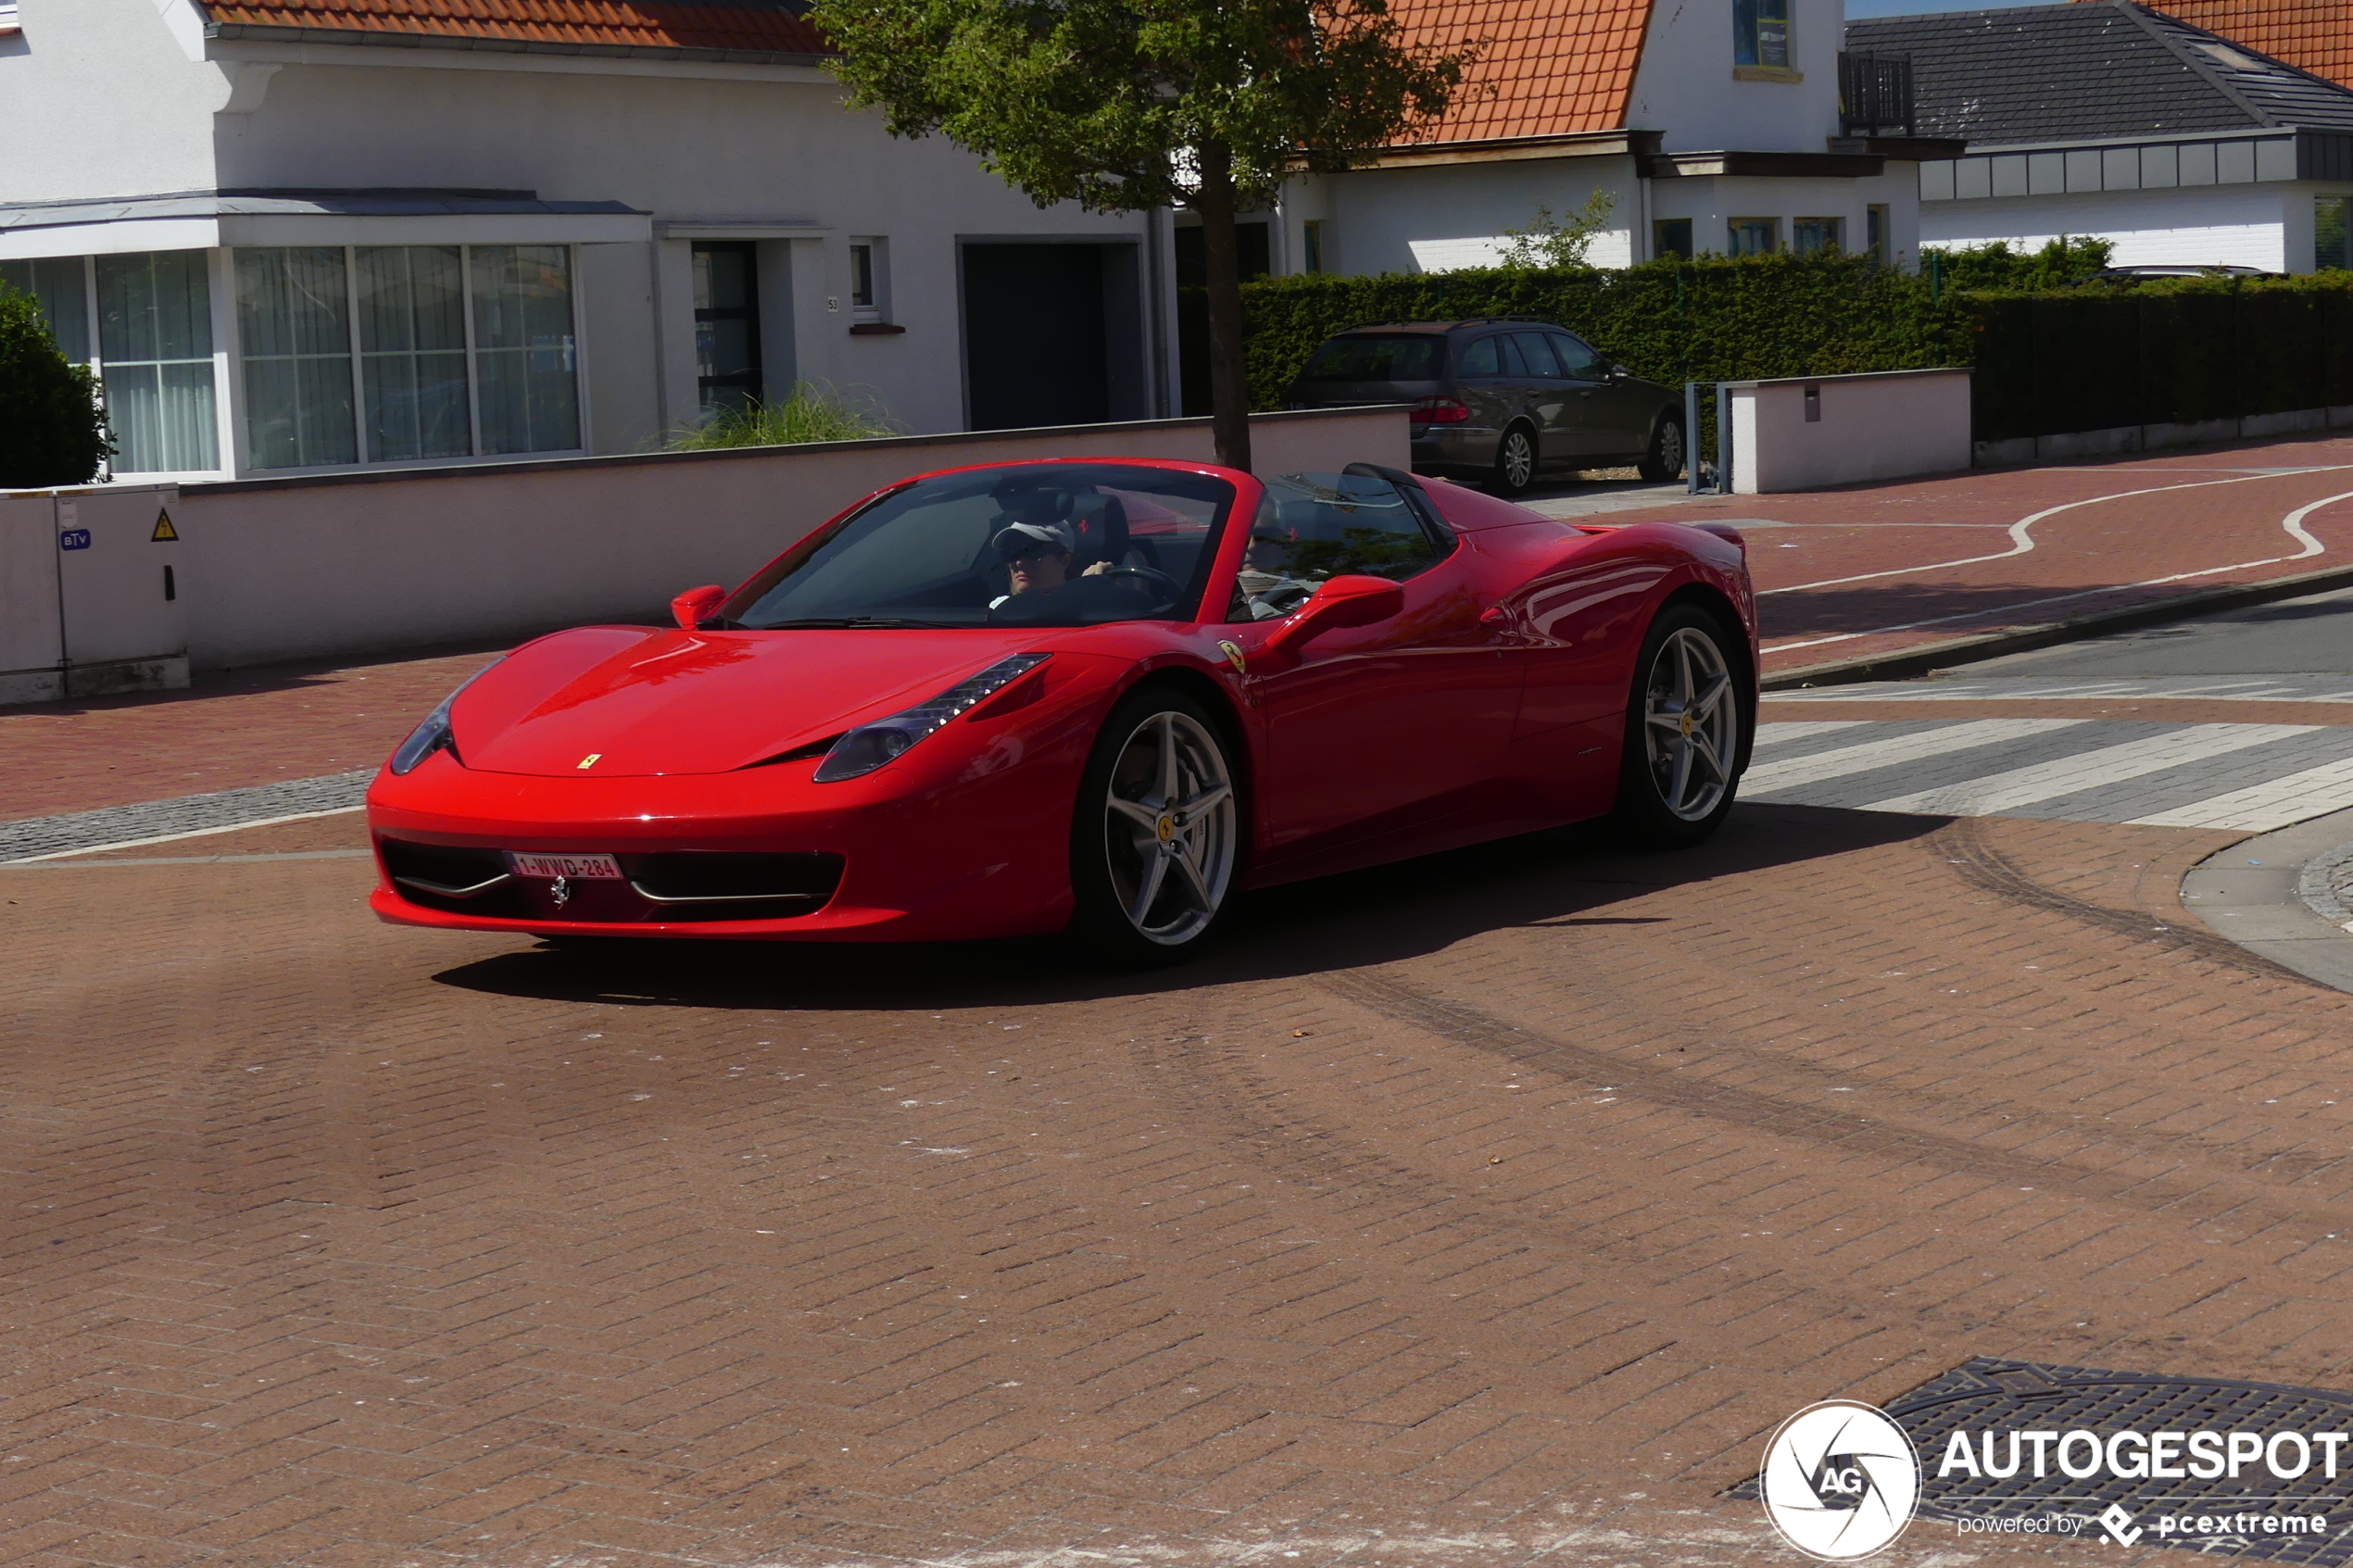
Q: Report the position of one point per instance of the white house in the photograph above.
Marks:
(2112, 119)
(302, 235)
(1714, 125)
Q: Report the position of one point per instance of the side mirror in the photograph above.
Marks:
(1341, 601)
(1620, 372)
(696, 605)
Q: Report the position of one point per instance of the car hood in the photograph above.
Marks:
(621, 700)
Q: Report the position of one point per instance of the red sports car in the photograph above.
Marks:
(1101, 696)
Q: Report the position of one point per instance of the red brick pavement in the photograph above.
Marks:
(1498, 1204)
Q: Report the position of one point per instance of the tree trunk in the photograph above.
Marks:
(1228, 371)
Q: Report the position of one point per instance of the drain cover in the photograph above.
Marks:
(2286, 1480)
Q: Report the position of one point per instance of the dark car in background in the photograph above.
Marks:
(1501, 400)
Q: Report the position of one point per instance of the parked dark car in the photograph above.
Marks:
(1501, 400)
(2141, 269)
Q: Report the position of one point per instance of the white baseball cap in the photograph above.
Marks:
(1019, 534)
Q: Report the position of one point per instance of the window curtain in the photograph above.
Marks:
(524, 367)
(294, 326)
(55, 285)
(412, 353)
(155, 344)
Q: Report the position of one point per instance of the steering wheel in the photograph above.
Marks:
(1153, 576)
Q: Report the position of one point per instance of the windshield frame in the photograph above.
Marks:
(1210, 568)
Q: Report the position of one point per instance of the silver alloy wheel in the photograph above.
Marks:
(1168, 828)
(1688, 719)
(1520, 459)
(1670, 448)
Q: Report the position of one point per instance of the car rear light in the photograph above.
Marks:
(1440, 411)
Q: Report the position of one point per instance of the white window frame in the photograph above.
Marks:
(876, 310)
(9, 19)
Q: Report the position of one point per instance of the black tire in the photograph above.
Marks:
(1661, 798)
(1668, 453)
(1515, 462)
(1113, 848)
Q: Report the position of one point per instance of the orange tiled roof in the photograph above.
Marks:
(1551, 68)
(596, 25)
(2314, 35)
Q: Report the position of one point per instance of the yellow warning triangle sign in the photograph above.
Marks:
(164, 532)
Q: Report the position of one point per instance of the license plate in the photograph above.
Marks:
(574, 868)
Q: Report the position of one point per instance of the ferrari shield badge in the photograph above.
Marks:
(1233, 652)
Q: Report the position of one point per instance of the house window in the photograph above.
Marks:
(1752, 236)
(294, 333)
(458, 351)
(1760, 33)
(2329, 246)
(7, 17)
(1875, 235)
(1313, 242)
(1671, 236)
(60, 287)
(869, 280)
(155, 350)
(1818, 236)
(727, 325)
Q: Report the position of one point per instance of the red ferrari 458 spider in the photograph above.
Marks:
(1101, 696)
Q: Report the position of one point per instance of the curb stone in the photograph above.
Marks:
(2275, 895)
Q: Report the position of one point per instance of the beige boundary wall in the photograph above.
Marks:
(1809, 432)
(334, 565)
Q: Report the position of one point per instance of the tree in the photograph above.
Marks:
(1127, 104)
(1551, 245)
(52, 430)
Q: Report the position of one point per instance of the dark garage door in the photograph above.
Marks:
(1034, 339)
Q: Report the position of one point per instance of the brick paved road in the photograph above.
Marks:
(1482, 1210)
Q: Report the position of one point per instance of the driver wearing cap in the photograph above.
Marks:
(1037, 556)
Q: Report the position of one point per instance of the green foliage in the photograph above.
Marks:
(2168, 351)
(813, 412)
(1550, 245)
(1670, 321)
(1996, 267)
(1102, 101)
(52, 429)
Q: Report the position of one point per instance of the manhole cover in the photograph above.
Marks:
(2266, 1470)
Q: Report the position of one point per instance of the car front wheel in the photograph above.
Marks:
(1684, 727)
(1156, 840)
(1665, 459)
(1515, 462)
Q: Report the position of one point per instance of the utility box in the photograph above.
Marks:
(33, 653)
(119, 562)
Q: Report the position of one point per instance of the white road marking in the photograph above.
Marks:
(192, 833)
(2292, 523)
(1786, 729)
(2001, 792)
(2274, 804)
(1862, 759)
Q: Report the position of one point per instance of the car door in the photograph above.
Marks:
(1380, 738)
(1616, 411)
(1493, 381)
(1552, 399)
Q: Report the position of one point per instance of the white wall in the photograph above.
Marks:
(294, 568)
(2247, 225)
(1869, 427)
(1454, 214)
(1685, 86)
(99, 99)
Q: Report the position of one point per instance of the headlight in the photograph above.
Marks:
(435, 734)
(868, 747)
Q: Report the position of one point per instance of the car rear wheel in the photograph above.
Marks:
(1665, 459)
(1156, 840)
(1515, 462)
(1684, 727)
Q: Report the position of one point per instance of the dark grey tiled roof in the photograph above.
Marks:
(2090, 70)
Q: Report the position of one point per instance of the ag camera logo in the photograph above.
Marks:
(1841, 1481)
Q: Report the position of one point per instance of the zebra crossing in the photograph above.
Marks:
(2253, 777)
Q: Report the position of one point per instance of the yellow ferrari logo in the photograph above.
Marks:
(1233, 652)
(590, 760)
(1166, 828)
(1686, 724)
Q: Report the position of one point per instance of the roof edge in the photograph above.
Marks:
(248, 32)
(1517, 149)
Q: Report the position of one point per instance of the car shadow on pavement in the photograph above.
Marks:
(1568, 877)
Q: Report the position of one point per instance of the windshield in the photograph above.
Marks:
(1037, 545)
(1375, 358)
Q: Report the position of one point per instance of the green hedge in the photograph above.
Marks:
(2177, 352)
(1710, 319)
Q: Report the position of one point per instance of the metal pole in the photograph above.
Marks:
(1723, 438)
(1690, 437)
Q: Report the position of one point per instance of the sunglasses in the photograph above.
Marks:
(1031, 553)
